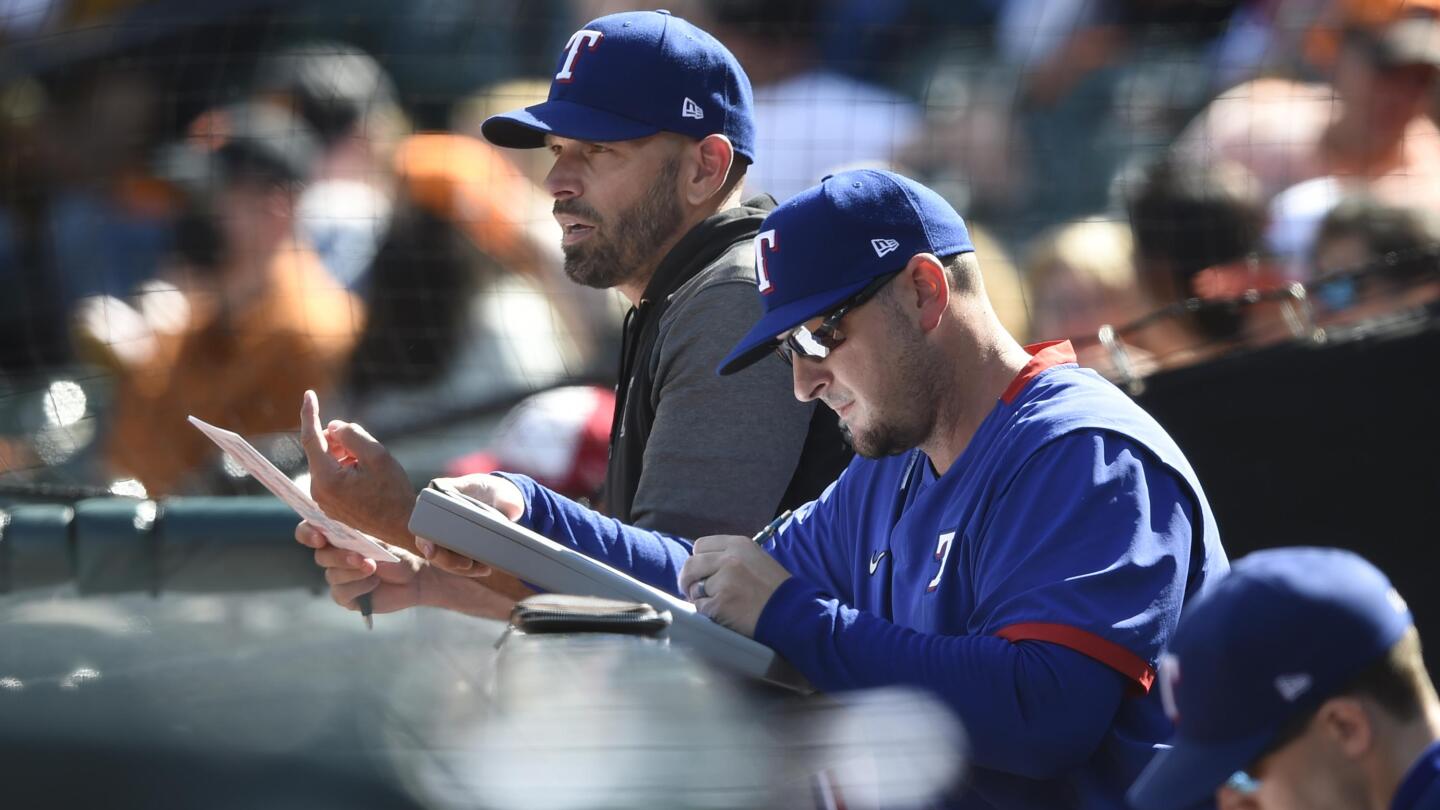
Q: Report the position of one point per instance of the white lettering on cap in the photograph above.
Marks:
(884, 246)
(764, 243)
(584, 37)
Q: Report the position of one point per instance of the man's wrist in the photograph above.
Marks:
(448, 591)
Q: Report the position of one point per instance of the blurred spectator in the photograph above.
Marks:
(1294, 215)
(1263, 38)
(466, 219)
(1368, 127)
(1082, 276)
(559, 437)
(1371, 258)
(470, 113)
(1081, 81)
(347, 100)
(1197, 233)
(260, 319)
(417, 224)
(82, 215)
(809, 119)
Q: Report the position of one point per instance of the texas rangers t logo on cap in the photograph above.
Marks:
(585, 37)
(764, 243)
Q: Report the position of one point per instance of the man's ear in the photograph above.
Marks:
(926, 289)
(1346, 723)
(713, 156)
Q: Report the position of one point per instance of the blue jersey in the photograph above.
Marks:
(1420, 789)
(1032, 587)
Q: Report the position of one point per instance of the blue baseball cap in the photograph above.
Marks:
(1286, 630)
(826, 243)
(630, 75)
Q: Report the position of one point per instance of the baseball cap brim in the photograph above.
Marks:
(1189, 773)
(761, 337)
(526, 128)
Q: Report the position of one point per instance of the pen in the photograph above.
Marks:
(366, 610)
(766, 533)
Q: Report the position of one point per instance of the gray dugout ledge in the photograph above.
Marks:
(117, 545)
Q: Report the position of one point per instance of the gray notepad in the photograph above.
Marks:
(465, 525)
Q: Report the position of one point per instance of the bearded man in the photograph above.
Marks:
(650, 124)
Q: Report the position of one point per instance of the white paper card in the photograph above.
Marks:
(296, 498)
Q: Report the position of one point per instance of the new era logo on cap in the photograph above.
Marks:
(884, 246)
(1291, 687)
(691, 110)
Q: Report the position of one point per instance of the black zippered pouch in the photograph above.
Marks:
(564, 613)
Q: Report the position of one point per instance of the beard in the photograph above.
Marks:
(637, 232)
(904, 417)
(885, 439)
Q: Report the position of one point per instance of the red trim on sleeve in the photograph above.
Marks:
(1042, 356)
(1112, 655)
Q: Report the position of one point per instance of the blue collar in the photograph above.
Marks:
(1419, 781)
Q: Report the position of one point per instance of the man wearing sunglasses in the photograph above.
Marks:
(1017, 536)
(1297, 682)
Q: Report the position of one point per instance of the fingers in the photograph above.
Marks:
(308, 535)
(345, 576)
(337, 450)
(332, 557)
(697, 593)
(317, 452)
(355, 440)
(450, 562)
(490, 489)
(718, 542)
(346, 594)
(700, 566)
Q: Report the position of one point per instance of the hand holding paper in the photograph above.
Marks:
(354, 478)
(277, 482)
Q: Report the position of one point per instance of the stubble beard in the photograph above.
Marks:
(636, 234)
(911, 417)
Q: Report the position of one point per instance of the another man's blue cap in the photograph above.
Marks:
(826, 243)
(1286, 630)
(631, 75)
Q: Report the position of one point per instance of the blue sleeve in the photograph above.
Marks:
(652, 557)
(1078, 572)
(817, 544)
(1034, 709)
(1089, 547)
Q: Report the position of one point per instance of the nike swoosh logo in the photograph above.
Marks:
(875, 561)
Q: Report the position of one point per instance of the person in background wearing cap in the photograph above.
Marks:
(1017, 535)
(254, 317)
(649, 121)
(1297, 682)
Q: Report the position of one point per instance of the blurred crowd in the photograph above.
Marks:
(208, 213)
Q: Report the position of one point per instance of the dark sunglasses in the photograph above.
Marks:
(818, 344)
